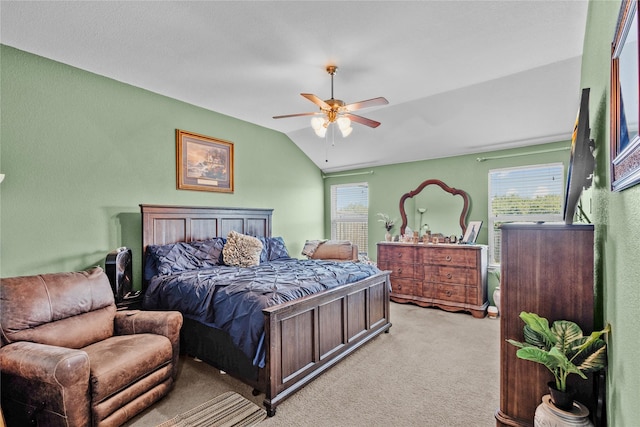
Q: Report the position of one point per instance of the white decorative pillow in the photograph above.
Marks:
(241, 250)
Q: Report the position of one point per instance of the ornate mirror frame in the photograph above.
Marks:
(625, 147)
(445, 187)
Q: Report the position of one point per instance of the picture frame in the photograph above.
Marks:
(471, 235)
(203, 163)
(624, 136)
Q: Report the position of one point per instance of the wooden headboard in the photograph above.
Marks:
(162, 225)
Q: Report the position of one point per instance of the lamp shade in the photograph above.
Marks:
(344, 123)
(321, 131)
(346, 132)
(316, 123)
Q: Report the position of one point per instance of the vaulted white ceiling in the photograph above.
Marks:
(461, 76)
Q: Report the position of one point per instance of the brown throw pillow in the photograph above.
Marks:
(241, 250)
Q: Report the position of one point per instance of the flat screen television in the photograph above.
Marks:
(581, 162)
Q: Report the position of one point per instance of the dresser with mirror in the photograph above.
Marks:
(450, 276)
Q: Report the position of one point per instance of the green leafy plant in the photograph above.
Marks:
(388, 222)
(562, 348)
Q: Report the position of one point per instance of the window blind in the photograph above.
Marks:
(523, 194)
(350, 213)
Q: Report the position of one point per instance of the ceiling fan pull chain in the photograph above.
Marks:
(326, 149)
(333, 135)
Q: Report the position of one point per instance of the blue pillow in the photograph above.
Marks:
(182, 256)
(273, 248)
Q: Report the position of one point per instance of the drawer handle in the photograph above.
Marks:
(449, 276)
(448, 258)
(399, 271)
(400, 255)
(448, 293)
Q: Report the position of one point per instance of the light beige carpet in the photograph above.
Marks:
(227, 410)
(433, 368)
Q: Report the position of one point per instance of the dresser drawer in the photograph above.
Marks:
(453, 275)
(402, 271)
(397, 253)
(453, 293)
(472, 296)
(405, 287)
(384, 265)
(455, 257)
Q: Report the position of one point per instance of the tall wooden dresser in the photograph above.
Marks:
(546, 269)
(448, 276)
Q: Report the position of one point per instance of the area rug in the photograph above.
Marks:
(227, 410)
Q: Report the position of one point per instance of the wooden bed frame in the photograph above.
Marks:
(304, 337)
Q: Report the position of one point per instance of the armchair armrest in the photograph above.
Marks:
(165, 323)
(58, 376)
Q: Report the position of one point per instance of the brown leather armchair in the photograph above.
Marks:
(69, 358)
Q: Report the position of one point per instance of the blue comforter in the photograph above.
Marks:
(232, 298)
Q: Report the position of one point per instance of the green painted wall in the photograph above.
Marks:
(617, 234)
(81, 152)
(387, 184)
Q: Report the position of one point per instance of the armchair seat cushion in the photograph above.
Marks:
(120, 361)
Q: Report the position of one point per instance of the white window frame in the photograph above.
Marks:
(500, 219)
(363, 241)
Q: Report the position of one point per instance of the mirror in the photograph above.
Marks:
(435, 203)
(625, 142)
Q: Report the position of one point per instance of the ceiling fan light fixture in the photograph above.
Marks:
(346, 132)
(317, 123)
(319, 126)
(335, 111)
(321, 132)
(344, 123)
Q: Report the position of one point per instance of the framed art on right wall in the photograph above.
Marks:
(625, 77)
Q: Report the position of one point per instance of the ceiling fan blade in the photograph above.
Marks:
(319, 102)
(295, 115)
(366, 104)
(362, 120)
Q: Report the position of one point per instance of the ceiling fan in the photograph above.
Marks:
(335, 110)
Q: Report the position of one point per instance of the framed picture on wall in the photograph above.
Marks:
(203, 163)
(625, 115)
(473, 229)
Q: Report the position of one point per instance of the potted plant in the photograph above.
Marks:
(564, 350)
(388, 225)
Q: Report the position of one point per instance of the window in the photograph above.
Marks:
(350, 213)
(523, 194)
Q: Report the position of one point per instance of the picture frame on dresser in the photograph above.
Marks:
(471, 235)
(203, 163)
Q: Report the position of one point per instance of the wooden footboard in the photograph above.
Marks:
(306, 337)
